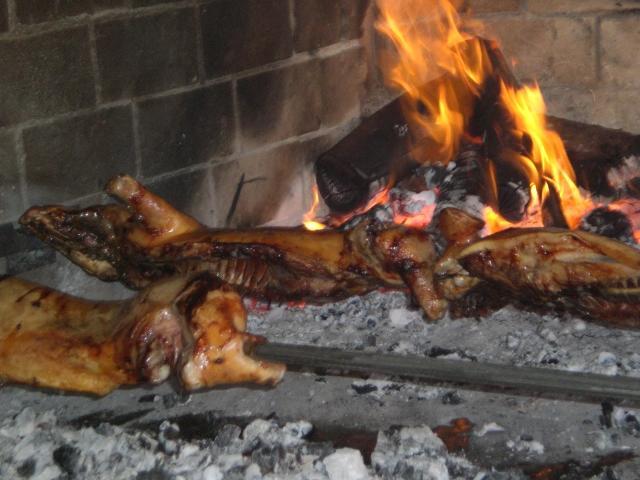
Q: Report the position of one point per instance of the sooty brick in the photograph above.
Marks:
(318, 23)
(143, 55)
(75, 157)
(10, 201)
(242, 34)
(37, 11)
(186, 129)
(147, 3)
(343, 78)
(353, 13)
(281, 103)
(49, 74)
(4, 16)
(190, 192)
(268, 181)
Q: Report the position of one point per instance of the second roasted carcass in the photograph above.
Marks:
(190, 327)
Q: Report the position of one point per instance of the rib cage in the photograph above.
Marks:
(248, 273)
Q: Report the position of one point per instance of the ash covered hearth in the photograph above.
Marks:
(375, 197)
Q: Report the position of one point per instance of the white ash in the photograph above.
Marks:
(529, 446)
(417, 453)
(385, 322)
(346, 464)
(491, 427)
(627, 171)
(39, 447)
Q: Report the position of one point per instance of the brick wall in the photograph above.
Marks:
(189, 96)
(584, 54)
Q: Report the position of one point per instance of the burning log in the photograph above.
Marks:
(384, 145)
(193, 327)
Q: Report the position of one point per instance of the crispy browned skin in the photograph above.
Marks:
(147, 239)
(193, 328)
(580, 272)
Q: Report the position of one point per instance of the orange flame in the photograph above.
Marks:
(440, 66)
(548, 164)
(308, 220)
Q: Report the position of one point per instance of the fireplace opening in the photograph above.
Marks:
(428, 209)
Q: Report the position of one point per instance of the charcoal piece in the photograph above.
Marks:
(469, 177)
(339, 185)
(594, 150)
(633, 187)
(607, 411)
(364, 389)
(608, 223)
(267, 457)
(631, 425)
(27, 468)
(513, 198)
(67, 457)
(451, 398)
(552, 214)
(154, 474)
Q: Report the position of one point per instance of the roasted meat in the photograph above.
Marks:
(583, 273)
(191, 327)
(146, 239)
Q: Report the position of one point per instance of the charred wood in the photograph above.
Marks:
(384, 145)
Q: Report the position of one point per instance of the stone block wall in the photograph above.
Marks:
(584, 53)
(189, 96)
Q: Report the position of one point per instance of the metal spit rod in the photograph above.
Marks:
(540, 381)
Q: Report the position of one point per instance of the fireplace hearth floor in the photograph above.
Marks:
(509, 430)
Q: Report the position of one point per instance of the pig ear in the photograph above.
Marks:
(159, 221)
(458, 226)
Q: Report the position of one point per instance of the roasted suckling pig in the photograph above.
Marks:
(191, 327)
(146, 240)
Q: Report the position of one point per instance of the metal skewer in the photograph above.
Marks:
(541, 381)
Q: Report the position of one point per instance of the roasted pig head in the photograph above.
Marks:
(191, 327)
(580, 272)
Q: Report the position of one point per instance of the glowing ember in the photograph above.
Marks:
(382, 196)
(631, 208)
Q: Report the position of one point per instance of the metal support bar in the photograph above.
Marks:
(477, 375)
